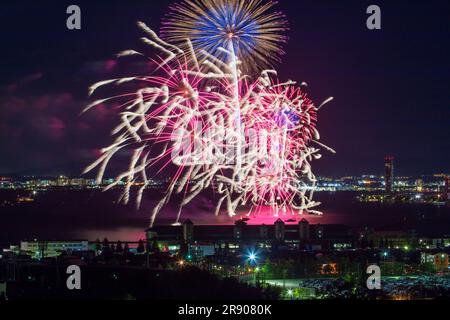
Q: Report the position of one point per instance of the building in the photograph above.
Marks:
(393, 239)
(62, 181)
(280, 230)
(188, 231)
(43, 248)
(78, 182)
(439, 260)
(389, 174)
(446, 189)
(241, 236)
(3, 291)
(304, 229)
(419, 185)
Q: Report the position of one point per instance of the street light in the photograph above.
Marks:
(290, 293)
(385, 254)
(252, 257)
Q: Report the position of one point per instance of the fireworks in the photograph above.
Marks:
(247, 27)
(250, 139)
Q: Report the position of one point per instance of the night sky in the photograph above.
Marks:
(391, 86)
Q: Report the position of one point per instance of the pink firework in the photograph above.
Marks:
(250, 139)
(285, 118)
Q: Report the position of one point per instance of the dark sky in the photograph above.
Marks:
(391, 86)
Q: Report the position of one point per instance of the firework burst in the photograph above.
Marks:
(250, 139)
(247, 27)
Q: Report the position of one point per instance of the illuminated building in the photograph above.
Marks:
(419, 185)
(24, 199)
(41, 248)
(441, 262)
(78, 182)
(62, 181)
(438, 259)
(391, 238)
(5, 182)
(238, 237)
(446, 190)
(328, 268)
(389, 173)
(188, 231)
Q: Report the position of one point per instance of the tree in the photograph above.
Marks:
(154, 247)
(119, 248)
(126, 249)
(364, 243)
(105, 246)
(98, 246)
(140, 247)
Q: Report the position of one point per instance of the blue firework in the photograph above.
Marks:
(248, 28)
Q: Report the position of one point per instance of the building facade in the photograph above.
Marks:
(42, 248)
(241, 237)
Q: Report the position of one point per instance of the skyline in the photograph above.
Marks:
(372, 75)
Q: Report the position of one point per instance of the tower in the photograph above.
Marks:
(389, 174)
(264, 231)
(319, 232)
(303, 229)
(279, 230)
(238, 229)
(188, 231)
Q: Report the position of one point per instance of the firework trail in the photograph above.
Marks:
(244, 34)
(246, 137)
